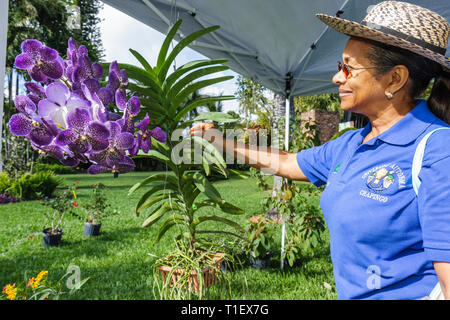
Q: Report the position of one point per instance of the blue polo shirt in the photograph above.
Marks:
(384, 238)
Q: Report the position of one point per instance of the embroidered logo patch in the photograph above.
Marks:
(381, 178)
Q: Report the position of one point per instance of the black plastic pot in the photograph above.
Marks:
(261, 263)
(50, 239)
(91, 229)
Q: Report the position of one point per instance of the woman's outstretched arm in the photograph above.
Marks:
(266, 159)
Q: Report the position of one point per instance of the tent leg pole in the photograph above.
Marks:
(286, 148)
(3, 36)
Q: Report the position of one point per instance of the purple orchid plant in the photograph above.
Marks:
(66, 114)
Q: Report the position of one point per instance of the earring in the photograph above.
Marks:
(389, 95)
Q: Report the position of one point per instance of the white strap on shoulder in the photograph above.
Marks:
(436, 293)
(418, 158)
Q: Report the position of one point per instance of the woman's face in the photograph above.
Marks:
(361, 92)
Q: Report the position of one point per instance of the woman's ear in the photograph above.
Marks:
(398, 78)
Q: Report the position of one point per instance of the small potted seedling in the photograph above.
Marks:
(61, 205)
(96, 209)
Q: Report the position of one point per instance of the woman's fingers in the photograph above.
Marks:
(200, 128)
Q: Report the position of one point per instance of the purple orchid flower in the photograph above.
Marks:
(79, 67)
(124, 165)
(37, 92)
(61, 153)
(60, 101)
(41, 62)
(83, 134)
(144, 136)
(118, 143)
(132, 108)
(70, 119)
(27, 123)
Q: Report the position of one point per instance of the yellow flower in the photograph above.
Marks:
(10, 291)
(36, 281)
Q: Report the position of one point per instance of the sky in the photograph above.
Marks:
(120, 32)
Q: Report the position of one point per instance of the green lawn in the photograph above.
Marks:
(120, 261)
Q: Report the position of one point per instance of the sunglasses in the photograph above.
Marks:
(347, 70)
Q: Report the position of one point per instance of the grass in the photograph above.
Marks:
(120, 262)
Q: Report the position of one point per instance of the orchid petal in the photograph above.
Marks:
(78, 119)
(31, 46)
(24, 104)
(158, 134)
(66, 137)
(58, 93)
(24, 61)
(134, 106)
(20, 125)
(97, 131)
(48, 54)
(35, 88)
(40, 136)
(143, 124)
(36, 74)
(125, 141)
(53, 69)
(97, 70)
(98, 145)
(106, 96)
(114, 129)
(81, 145)
(121, 99)
(97, 168)
(46, 108)
(146, 143)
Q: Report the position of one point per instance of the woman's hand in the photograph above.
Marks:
(200, 128)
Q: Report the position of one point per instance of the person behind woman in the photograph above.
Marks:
(386, 242)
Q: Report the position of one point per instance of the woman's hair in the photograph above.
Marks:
(421, 72)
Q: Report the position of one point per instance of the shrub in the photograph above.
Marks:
(34, 186)
(5, 182)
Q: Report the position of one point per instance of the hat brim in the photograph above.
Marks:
(355, 29)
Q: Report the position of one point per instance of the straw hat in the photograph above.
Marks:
(403, 25)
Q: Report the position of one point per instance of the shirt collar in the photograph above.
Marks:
(407, 129)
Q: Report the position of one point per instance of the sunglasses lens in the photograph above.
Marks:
(342, 67)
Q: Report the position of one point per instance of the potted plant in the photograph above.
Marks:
(61, 205)
(260, 242)
(175, 195)
(97, 208)
(304, 223)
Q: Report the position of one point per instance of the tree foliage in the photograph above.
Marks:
(253, 101)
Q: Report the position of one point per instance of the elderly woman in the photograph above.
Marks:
(387, 242)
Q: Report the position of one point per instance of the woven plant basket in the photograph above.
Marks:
(210, 274)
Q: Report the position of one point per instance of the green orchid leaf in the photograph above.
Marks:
(175, 219)
(166, 44)
(231, 223)
(154, 190)
(175, 102)
(174, 76)
(156, 215)
(199, 102)
(164, 64)
(141, 60)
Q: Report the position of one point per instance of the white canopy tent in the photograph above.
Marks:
(272, 42)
